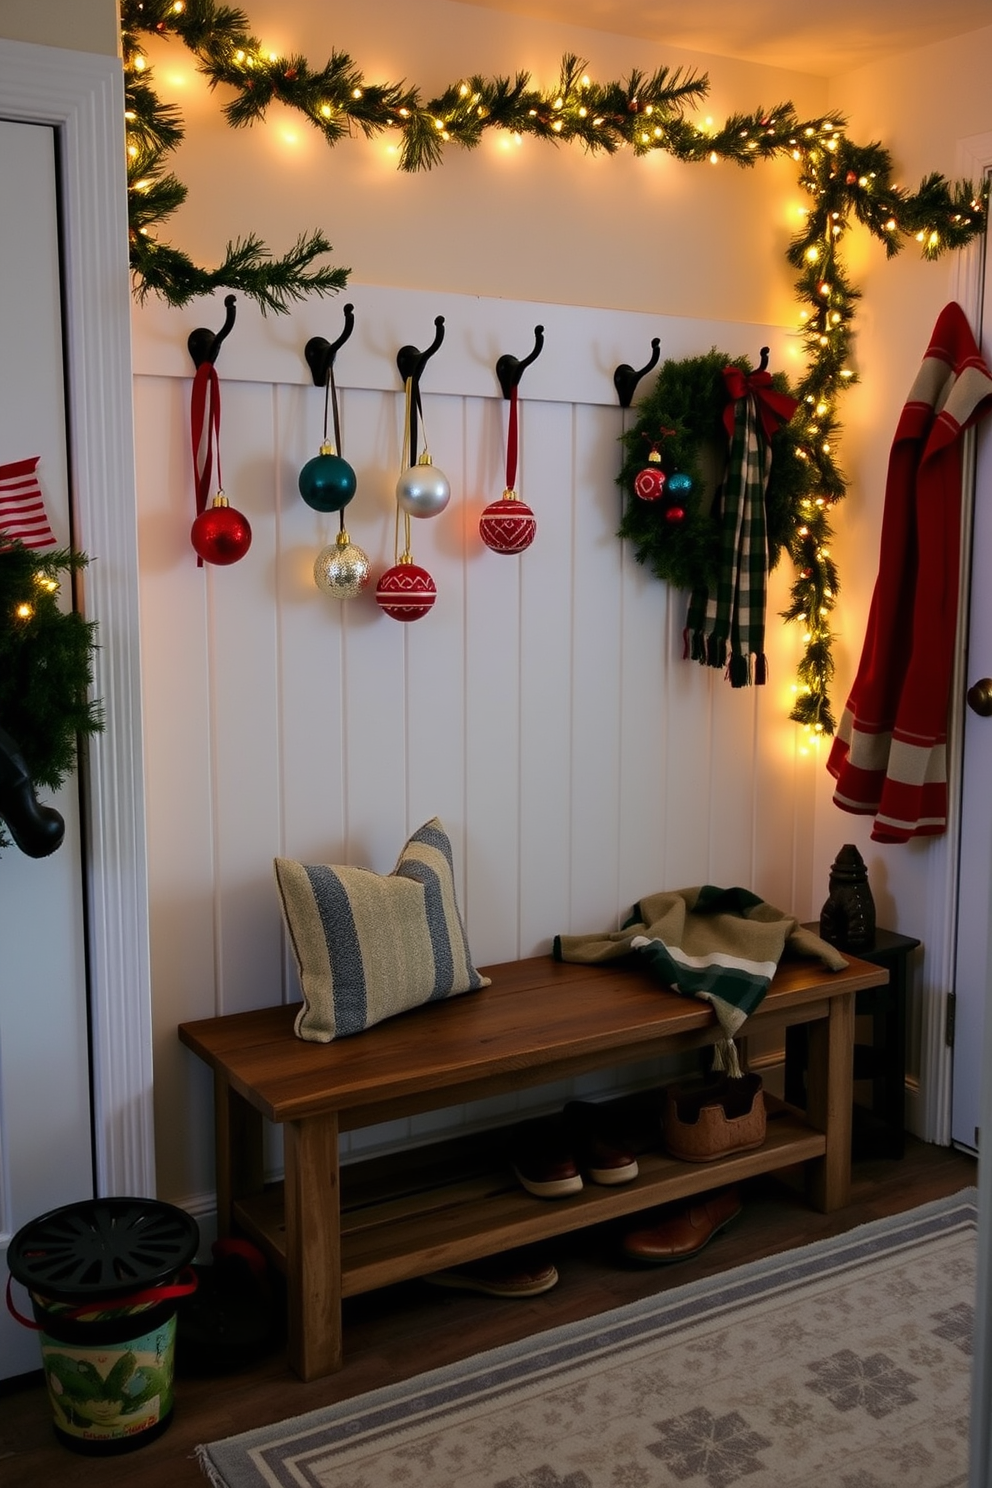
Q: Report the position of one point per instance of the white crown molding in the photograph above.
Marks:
(80, 94)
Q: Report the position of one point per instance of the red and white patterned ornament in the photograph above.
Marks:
(649, 483)
(508, 525)
(406, 591)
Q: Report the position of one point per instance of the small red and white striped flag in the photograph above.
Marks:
(22, 506)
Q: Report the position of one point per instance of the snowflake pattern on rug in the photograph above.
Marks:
(856, 1377)
(957, 1326)
(546, 1477)
(874, 1383)
(721, 1449)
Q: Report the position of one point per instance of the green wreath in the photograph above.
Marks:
(46, 665)
(683, 417)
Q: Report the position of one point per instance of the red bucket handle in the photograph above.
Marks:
(186, 1284)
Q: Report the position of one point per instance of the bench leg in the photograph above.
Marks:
(313, 1246)
(829, 1097)
(238, 1144)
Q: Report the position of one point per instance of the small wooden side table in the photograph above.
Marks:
(878, 1130)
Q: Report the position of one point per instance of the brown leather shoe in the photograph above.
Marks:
(603, 1153)
(541, 1156)
(684, 1233)
(516, 1273)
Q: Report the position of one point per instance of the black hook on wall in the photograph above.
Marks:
(625, 379)
(411, 362)
(510, 368)
(204, 344)
(765, 350)
(320, 353)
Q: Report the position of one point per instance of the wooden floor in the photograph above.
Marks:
(403, 1330)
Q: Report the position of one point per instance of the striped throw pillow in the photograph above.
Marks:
(369, 946)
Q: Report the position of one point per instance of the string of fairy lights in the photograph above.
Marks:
(845, 183)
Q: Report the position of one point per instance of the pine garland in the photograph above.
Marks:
(846, 183)
(46, 663)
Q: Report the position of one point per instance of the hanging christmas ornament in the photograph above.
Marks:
(342, 570)
(327, 482)
(219, 534)
(677, 494)
(423, 490)
(509, 525)
(649, 483)
(406, 591)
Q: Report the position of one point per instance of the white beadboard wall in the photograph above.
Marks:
(542, 709)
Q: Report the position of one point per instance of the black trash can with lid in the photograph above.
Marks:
(104, 1277)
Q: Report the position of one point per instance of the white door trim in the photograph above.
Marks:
(974, 159)
(81, 95)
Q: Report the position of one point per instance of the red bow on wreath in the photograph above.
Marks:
(773, 408)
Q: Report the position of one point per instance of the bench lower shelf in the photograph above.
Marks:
(446, 1212)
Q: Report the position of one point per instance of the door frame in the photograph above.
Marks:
(974, 160)
(81, 95)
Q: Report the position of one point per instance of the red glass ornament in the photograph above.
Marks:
(220, 534)
(649, 483)
(675, 514)
(508, 525)
(406, 591)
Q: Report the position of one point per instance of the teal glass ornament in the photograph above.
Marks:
(327, 482)
(678, 487)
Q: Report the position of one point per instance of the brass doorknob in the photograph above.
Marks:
(979, 697)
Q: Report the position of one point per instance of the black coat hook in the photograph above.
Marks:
(509, 368)
(320, 353)
(203, 344)
(625, 379)
(764, 359)
(412, 361)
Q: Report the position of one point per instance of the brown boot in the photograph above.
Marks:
(684, 1233)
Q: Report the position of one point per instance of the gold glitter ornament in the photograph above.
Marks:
(342, 570)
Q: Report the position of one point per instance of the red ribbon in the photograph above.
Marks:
(205, 410)
(511, 443)
(773, 408)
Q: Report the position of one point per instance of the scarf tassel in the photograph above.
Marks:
(726, 1059)
(716, 651)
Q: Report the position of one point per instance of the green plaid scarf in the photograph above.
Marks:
(731, 617)
(726, 627)
(720, 945)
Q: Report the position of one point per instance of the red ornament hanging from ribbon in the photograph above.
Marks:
(219, 533)
(509, 525)
(406, 591)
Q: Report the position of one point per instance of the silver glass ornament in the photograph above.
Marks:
(342, 570)
(422, 490)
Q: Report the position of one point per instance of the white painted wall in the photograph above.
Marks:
(542, 709)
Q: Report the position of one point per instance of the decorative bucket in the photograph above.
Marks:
(104, 1277)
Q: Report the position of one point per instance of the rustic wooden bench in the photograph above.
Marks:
(540, 1021)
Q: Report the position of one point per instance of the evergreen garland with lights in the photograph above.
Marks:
(646, 112)
(46, 666)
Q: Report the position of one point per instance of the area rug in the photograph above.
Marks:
(844, 1364)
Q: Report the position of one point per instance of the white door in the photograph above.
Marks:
(974, 940)
(45, 1135)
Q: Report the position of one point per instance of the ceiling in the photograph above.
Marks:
(819, 39)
